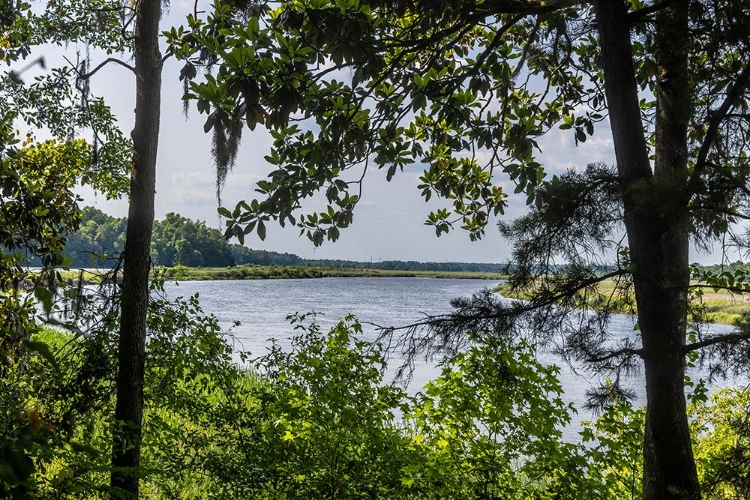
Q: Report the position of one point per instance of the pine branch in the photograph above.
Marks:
(729, 338)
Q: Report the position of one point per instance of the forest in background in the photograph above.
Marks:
(179, 241)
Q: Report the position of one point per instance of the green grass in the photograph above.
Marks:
(255, 272)
(717, 307)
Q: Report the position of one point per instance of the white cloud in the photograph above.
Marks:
(191, 196)
(560, 153)
(196, 179)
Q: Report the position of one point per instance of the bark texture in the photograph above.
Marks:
(126, 445)
(657, 225)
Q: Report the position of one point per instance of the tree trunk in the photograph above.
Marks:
(126, 442)
(656, 221)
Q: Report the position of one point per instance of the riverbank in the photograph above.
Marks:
(717, 307)
(257, 272)
(181, 273)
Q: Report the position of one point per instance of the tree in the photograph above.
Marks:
(37, 207)
(181, 241)
(127, 436)
(100, 236)
(121, 27)
(467, 88)
(721, 432)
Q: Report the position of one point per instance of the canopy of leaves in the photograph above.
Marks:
(351, 85)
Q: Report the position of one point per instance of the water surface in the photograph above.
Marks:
(261, 307)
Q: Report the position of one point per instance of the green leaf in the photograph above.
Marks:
(44, 295)
(44, 351)
(261, 230)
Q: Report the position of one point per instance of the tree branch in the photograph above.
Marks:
(625, 351)
(722, 210)
(496, 41)
(547, 300)
(639, 14)
(91, 73)
(714, 118)
(731, 289)
(732, 338)
(476, 17)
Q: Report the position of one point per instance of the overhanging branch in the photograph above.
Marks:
(732, 289)
(626, 351)
(729, 338)
(547, 300)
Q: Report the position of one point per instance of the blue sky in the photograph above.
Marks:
(388, 223)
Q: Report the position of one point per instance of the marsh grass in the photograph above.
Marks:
(256, 272)
(714, 306)
(723, 307)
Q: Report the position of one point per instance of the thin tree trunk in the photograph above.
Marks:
(656, 222)
(126, 443)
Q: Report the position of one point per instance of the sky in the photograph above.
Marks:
(388, 221)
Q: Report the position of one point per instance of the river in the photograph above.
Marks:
(259, 309)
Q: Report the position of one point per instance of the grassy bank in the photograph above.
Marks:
(255, 272)
(718, 307)
(297, 272)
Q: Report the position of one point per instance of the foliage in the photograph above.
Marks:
(55, 103)
(331, 424)
(490, 426)
(38, 203)
(104, 24)
(320, 421)
(300, 272)
(180, 241)
(722, 434)
(466, 89)
(192, 384)
(38, 207)
(613, 445)
(196, 399)
(175, 241)
(99, 236)
(51, 102)
(15, 31)
(451, 85)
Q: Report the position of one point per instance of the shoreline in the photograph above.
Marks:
(720, 308)
(258, 272)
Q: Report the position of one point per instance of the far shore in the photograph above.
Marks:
(257, 272)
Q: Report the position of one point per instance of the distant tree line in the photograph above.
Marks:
(731, 267)
(178, 240)
(408, 265)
